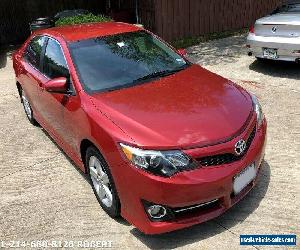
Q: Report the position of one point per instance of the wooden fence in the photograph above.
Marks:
(171, 19)
(176, 19)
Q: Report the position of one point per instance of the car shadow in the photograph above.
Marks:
(233, 216)
(279, 69)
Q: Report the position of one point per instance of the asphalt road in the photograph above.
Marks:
(44, 197)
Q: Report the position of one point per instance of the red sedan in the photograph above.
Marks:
(165, 143)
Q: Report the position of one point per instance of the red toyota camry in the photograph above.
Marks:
(165, 143)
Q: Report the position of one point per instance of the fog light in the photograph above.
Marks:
(157, 211)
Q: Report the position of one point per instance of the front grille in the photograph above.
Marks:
(227, 158)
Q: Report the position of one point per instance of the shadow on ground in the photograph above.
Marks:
(227, 50)
(6, 52)
(3, 59)
(280, 69)
(233, 216)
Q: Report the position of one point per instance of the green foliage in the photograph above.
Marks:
(88, 18)
(191, 41)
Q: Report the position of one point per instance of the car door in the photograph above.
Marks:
(59, 109)
(30, 71)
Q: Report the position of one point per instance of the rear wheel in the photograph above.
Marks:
(27, 108)
(102, 182)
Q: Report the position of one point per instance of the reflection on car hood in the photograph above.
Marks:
(189, 108)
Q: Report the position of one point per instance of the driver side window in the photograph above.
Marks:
(55, 64)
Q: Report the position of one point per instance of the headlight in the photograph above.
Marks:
(258, 110)
(163, 163)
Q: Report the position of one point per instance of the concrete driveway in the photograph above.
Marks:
(44, 197)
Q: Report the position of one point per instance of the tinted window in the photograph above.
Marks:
(112, 62)
(290, 8)
(54, 61)
(34, 51)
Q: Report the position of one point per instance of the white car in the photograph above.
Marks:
(277, 36)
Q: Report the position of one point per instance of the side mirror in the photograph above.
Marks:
(57, 85)
(182, 52)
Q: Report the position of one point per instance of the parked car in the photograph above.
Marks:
(165, 143)
(277, 36)
(48, 22)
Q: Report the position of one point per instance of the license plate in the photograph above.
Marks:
(270, 53)
(243, 178)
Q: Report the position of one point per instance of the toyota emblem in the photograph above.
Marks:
(240, 147)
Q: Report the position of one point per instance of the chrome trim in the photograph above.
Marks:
(196, 206)
(159, 216)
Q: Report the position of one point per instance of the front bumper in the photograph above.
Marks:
(186, 188)
(286, 46)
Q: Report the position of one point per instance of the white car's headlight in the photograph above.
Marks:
(162, 163)
(258, 110)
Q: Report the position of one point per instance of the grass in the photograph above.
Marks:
(88, 18)
(191, 41)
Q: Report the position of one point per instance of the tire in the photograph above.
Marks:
(102, 182)
(259, 59)
(27, 108)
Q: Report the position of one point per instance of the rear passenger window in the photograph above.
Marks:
(54, 64)
(34, 51)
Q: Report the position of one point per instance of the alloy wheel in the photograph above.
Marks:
(100, 181)
(26, 106)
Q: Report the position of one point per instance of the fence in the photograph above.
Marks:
(171, 19)
(176, 19)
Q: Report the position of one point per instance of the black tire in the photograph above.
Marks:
(259, 59)
(27, 109)
(113, 210)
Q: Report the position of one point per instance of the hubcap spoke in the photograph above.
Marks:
(93, 173)
(97, 187)
(105, 179)
(108, 196)
(102, 193)
(100, 181)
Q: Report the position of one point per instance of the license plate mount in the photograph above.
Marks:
(270, 53)
(244, 178)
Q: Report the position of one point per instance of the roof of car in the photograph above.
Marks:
(89, 30)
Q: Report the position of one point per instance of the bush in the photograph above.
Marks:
(88, 18)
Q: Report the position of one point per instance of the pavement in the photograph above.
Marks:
(44, 197)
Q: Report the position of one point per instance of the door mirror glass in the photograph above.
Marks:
(57, 85)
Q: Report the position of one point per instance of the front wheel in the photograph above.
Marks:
(27, 108)
(102, 182)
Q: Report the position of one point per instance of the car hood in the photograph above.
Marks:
(290, 19)
(193, 107)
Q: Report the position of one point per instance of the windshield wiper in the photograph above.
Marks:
(160, 74)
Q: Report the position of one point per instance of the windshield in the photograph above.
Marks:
(289, 8)
(123, 60)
